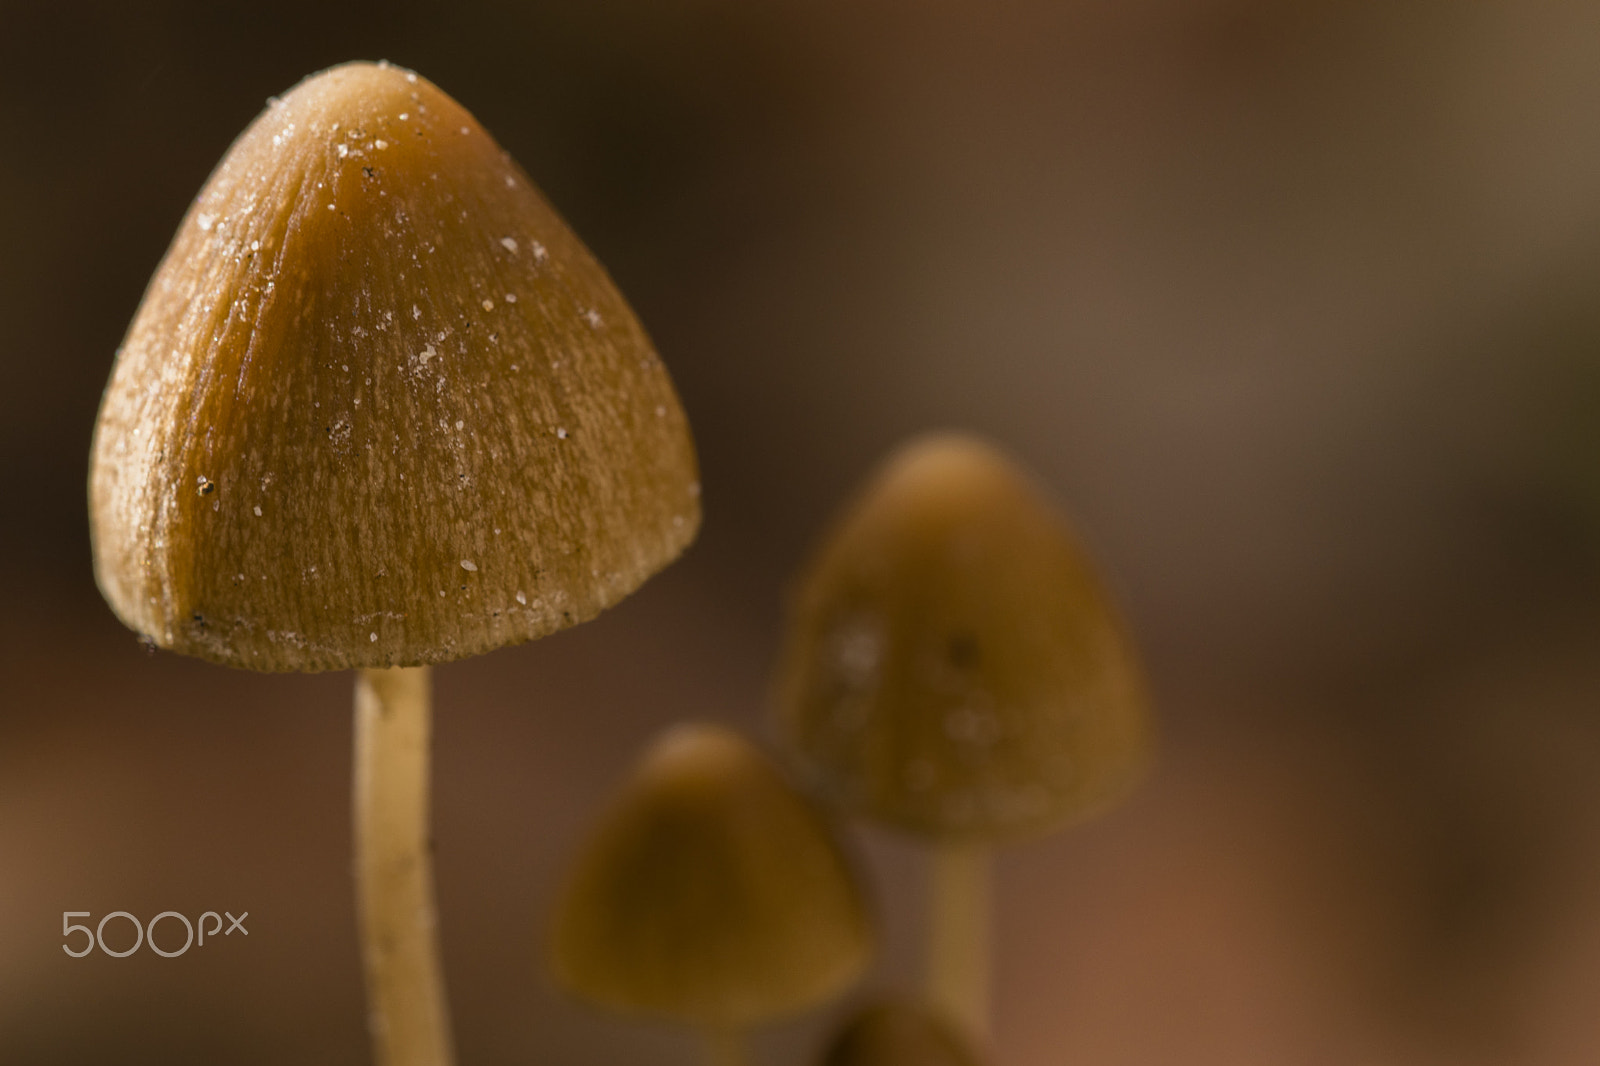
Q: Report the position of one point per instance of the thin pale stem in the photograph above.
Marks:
(958, 936)
(726, 1047)
(406, 1009)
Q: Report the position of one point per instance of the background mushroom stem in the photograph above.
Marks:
(726, 1046)
(958, 935)
(407, 1012)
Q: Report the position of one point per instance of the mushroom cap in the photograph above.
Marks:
(898, 1034)
(953, 667)
(379, 405)
(710, 893)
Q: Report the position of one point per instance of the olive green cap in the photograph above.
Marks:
(898, 1034)
(953, 667)
(379, 405)
(710, 893)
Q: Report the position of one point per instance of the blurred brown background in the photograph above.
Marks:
(1296, 306)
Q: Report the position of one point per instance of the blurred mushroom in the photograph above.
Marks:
(380, 408)
(954, 669)
(898, 1034)
(711, 894)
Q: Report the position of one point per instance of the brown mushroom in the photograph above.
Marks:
(954, 669)
(710, 893)
(893, 1033)
(380, 408)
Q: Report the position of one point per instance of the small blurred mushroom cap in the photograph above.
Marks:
(953, 666)
(379, 406)
(710, 893)
(898, 1034)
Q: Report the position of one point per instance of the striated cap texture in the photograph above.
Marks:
(953, 667)
(379, 405)
(898, 1034)
(710, 893)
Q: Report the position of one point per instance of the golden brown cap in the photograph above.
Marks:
(379, 405)
(710, 893)
(953, 666)
(898, 1034)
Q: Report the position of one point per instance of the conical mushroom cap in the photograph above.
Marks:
(953, 667)
(710, 893)
(379, 405)
(898, 1034)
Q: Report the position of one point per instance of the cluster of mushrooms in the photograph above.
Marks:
(380, 409)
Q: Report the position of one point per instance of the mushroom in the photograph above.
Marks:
(710, 893)
(953, 669)
(898, 1034)
(379, 409)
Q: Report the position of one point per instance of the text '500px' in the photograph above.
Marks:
(146, 934)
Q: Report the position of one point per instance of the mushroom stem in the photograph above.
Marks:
(725, 1046)
(958, 935)
(407, 1014)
